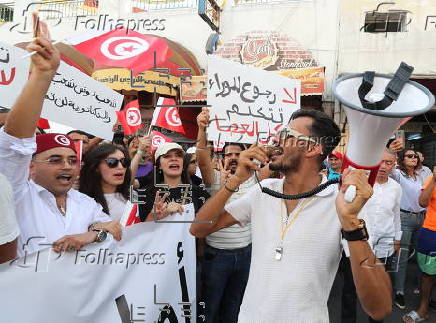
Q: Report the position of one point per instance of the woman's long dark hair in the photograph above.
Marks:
(90, 177)
(401, 166)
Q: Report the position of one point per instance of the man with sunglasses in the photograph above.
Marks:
(47, 209)
(296, 244)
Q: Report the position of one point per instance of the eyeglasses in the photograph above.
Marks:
(288, 132)
(112, 162)
(411, 156)
(56, 161)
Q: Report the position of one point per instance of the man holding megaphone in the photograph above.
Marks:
(297, 243)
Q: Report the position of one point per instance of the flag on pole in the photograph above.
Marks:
(43, 123)
(126, 48)
(177, 119)
(130, 117)
(130, 215)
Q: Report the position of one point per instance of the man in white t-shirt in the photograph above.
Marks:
(296, 244)
(48, 210)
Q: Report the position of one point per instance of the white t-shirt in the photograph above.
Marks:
(116, 203)
(295, 288)
(8, 223)
(235, 236)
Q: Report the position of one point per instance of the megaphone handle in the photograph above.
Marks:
(350, 194)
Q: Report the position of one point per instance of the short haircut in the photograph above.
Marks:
(323, 129)
(227, 144)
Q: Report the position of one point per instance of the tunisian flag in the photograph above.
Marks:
(130, 117)
(177, 119)
(126, 48)
(158, 139)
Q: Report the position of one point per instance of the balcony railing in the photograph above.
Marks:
(146, 5)
(66, 9)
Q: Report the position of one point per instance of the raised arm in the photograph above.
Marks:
(212, 214)
(203, 151)
(424, 198)
(143, 148)
(373, 285)
(23, 118)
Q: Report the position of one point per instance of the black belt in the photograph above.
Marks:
(414, 213)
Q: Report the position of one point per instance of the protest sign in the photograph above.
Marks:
(150, 273)
(13, 73)
(74, 99)
(248, 104)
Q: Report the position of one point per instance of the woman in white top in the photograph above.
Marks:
(411, 213)
(105, 176)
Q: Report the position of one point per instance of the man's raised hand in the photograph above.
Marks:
(47, 57)
(246, 163)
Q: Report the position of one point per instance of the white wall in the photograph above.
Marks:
(383, 52)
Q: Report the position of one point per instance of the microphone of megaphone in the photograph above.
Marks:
(376, 105)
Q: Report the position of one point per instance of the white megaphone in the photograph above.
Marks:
(376, 105)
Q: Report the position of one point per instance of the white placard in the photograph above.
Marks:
(76, 100)
(248, 104)
(14, 71)
(109, 282)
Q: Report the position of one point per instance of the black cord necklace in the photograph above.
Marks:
(279, 195)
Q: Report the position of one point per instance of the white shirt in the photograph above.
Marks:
(116, 204)
(382, 216)
(411, 190)
(235, 236)
(35, 207)
(295, 288)
(8, 224)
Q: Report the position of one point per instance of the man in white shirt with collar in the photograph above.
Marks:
(296, 244)
(8, 224)
(46, 206)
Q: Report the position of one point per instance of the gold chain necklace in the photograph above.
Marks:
(284, 225)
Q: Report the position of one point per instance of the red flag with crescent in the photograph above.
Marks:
(130, 117)
(129, 49)
(157, 139)
(178, 119)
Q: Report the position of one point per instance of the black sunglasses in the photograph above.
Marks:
(112, 162)
(411, 156)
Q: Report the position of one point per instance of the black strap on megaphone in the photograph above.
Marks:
(392, 91)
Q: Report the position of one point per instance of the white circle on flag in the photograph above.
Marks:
(119, 48)
(62, 140)
(157, 141)
(172, 117)
(133, 116)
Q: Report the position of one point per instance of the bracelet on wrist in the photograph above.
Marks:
(139, 152)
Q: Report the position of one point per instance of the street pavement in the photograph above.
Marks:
(412, 300)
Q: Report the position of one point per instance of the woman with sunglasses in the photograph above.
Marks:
(168, 170)
(411, 213)
(105, 176)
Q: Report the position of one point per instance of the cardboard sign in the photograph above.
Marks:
(13, 73)
(74, 99)
(248, 104)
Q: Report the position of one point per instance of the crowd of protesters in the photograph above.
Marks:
(260, 259)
